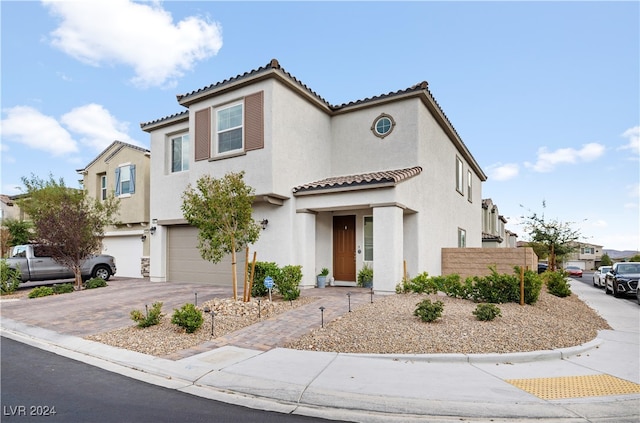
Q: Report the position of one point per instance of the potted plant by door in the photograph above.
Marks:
(365, 276)
(322, 277)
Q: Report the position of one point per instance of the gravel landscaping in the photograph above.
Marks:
(388, 326)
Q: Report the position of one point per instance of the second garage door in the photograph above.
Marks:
(184, 263)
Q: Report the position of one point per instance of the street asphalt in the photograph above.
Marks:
(595, 382)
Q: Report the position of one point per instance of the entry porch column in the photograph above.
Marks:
(305, 246)
(388, 251)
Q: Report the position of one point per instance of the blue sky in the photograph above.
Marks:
(546, 95)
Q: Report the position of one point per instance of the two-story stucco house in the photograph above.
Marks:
(494, 234)
(122, 169)
(384, 180)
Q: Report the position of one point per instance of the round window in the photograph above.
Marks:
(383, 125)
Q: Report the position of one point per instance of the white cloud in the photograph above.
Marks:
(92, 125)
(600, 224)
(97, 127)
(633, 134)
(503, 172)
(28, 126)
(142, 36)
(548, 160)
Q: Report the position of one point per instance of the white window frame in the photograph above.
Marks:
(219, 131)
(469, 186)
(462, 238)
(120, 180)
(367, 242)
(103, 187)
(459, 176)
(184, 152)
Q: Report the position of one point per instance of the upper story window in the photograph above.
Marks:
(125, 179)
(469, 182)
(459, 176)
(229, 129)
(103, 186)
(180, 153)
(383, 125)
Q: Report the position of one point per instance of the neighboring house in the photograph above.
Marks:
(586, 256)
(123, 170)
(494, 234)
(8, 208)
(384, 180)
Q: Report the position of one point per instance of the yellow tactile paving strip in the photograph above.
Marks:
(576, 386)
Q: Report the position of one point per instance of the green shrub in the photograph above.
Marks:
(557, 284)
(486, 312)
(428, 311)
(188, 317)
(495, 288)
(150, 317)
(289, 282)
(41, 291)
(421, 284)
(95, 283)
(9, 278)
(262, 270)
(365, 275)
(63, 288)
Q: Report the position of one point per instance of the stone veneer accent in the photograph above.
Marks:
(144, 267)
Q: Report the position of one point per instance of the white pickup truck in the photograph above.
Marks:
(35, 265)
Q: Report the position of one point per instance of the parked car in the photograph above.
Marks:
(35, 264)
(622, 279)
(573, 271)
(600, 275)
(542, 267)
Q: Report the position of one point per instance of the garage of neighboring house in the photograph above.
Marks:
(127, 249)
(184, 263)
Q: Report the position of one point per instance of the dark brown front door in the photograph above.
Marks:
(344, 248)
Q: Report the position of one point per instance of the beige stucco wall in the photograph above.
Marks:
(468, 262)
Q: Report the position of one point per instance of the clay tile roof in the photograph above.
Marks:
(490, 237)
(363, 180)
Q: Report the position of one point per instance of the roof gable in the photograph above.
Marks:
(113, 149)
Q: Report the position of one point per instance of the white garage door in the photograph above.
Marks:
(184, 263)
(128, 253)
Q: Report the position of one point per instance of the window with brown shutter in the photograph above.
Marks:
(202, 141)
(254, 121)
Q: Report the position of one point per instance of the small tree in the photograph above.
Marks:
(635, 258)
(558, 237)
(19, 232)
(606, 260)
(66, 221)
(221, 210)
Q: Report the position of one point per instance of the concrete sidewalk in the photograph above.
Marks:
(595, 382)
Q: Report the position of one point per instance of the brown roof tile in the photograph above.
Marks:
(368, 180)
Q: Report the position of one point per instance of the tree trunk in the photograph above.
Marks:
(78, 276)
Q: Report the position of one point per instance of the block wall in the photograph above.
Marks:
(476, 261)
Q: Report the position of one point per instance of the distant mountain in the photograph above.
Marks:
(617, 254)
